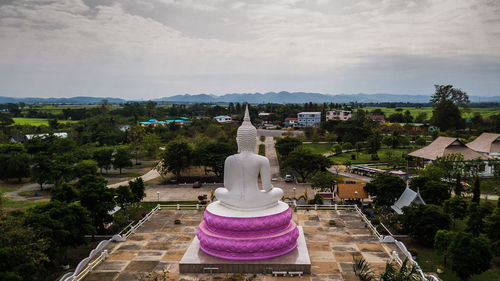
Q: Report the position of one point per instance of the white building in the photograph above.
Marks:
(223, 119)
(338, 115)
(308, 119)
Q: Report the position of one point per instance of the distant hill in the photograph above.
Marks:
(73, 100)
(301, 97)
(255, 98)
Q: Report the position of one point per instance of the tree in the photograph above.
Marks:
(64, 192)
(42, 170)
(447, 116)
(122, 159)
(336, 148)
(176, 158)
(442, 241)
(136, 135)
(14, 162)
(452, 166)
(124, 195)
(104, 158)
(347, 146)
(492, 229)
(374, 142)
(213, 154)
(85, 167)
(407, 118)
(65, 225)
(305, 163)
(286, 145)
(137, 187)
(97, 198)
(420, 141)
(151, 144)
(456, 207)
(448, 93)
(406, 272)
(476, 190)
(470, 255)
(324, 181)
(423, 221)
(386, 187)
(432, 191)
(359, 146)
(421, 117)
(475, 223)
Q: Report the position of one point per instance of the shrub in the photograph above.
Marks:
(177, 222)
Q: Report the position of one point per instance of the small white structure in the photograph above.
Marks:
(59, 135)
(309, 119)
(338, 115)
(406, 199)
(223, 119)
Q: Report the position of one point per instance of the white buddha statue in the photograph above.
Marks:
(241, 172)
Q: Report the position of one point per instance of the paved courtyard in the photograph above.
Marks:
(159, 245)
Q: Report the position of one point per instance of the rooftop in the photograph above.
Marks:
(445, 145)
(486, 142)
(160, 244)
(348, 191)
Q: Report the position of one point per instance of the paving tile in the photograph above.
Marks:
(123, 255)
(157, 246)
(131, 246)
(101, 276)
(173, 256)
(375, 257)
(345, 256)
(115, 266)
(141, 266)
(326, 256)
(370, 247)
(329, 277)
(346, 267)
(129, 276)
(347, 247)
(324, 268)
(318, 246)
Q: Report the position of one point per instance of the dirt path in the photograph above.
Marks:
(14, 195)
(151, 175)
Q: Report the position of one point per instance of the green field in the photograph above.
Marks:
(485, 112)
(37, 121)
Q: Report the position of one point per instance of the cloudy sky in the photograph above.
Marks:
(156, 48)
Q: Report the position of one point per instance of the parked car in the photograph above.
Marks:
(196, 184)
(288, 178)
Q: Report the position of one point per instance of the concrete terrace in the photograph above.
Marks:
(159, 245)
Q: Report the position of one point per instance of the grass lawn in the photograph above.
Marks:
(488, 185)
(319, 148)
(429, 261)
(363, 157)
(11, 204)
(485, 112)
(37, 121)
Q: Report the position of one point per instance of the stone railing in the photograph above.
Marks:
(100, 253)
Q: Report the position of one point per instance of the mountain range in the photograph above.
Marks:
(255, 98)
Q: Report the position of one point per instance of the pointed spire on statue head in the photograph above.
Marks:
(247, 115)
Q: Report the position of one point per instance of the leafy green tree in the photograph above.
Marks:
(42, 169)
(286, 145)
(359, 146)
(423, 221)
(456, 207)
(97, 198)
(375, 142)
(442, 241)
(476, 190)
(64, 192)
(492, 229)
(475, 223)
(85, 167)
(136, 135)
(213, 154)
(447, 116)
(386, 188)
(122, 159)
(336, 148)
(64, 225)
(14, 162)
(432, 191)
(347, 146)
(176, 158)
(22, 250)
(420, 141)
(421, 117)
(151, 144)
(104, 158)
(470, 255)
(124, 195)
(452, 165)
(138, 189)
(305, 163)
(324, 181)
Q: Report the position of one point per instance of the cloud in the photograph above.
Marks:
(164, 47)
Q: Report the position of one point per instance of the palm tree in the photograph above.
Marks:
(406, 272)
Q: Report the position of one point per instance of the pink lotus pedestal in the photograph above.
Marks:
(252, 238)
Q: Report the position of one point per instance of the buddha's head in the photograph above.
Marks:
(247, 135)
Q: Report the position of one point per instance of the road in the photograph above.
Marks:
(152, 174)
(276, 133)
(273, 158)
